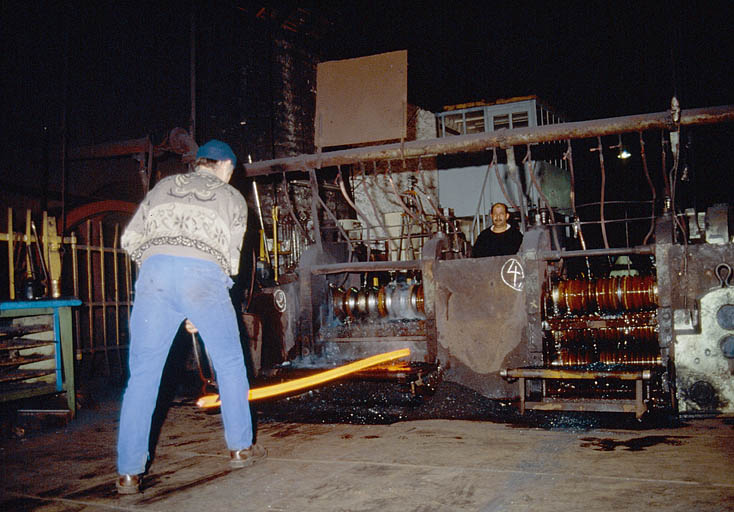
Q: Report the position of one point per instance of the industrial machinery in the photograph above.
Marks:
(625, 327)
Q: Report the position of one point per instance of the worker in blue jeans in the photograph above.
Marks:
(186, 235)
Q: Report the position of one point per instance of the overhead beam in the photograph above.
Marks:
(110, 149)
(497, 139)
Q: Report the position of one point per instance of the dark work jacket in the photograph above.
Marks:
(490, 243)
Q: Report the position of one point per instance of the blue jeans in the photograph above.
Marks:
(168, 290)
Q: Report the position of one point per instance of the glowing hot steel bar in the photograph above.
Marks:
(208, 401)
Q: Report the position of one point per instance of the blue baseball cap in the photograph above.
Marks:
(217, 150)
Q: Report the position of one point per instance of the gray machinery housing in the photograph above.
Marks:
(660, 340)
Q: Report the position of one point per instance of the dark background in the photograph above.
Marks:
(104, 71)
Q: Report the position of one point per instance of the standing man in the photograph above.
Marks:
(500, 238)
(186, 236)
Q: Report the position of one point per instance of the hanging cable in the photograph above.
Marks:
(514, 172)
(530, 167)
(253, 269)
(568, 156)
(388, 173)
(338, 227)
(386, 233)
(652, 189)
(675, 149)
(577, 231)
(481, 200)
(292, 212)
(603, 187)
(340, 183)
(664, 165)
(438, 211)
(499, 179)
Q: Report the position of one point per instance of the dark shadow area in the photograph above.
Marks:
(385, 402)
(636, 444)
(348, 401)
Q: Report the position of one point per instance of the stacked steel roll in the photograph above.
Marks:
(609, 321)
(612, 294)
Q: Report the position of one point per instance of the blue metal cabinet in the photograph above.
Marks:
(37, 349)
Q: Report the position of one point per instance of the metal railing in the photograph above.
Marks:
(87, 264)
(102, 278)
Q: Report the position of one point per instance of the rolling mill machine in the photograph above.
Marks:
(558, 326)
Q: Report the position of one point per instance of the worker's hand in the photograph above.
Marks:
(190, 328)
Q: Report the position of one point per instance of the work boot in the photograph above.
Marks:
(129, 484)
(247, 456)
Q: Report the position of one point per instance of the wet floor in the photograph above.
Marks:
(363, 446)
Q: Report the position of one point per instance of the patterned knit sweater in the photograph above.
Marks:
(194, 215)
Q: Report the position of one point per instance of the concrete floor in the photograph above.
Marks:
(423, 465)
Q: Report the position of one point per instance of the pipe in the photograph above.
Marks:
(504, 138)
(262, 221)
(557, 255)
(291, 211)
(366, 266)
(389, 241)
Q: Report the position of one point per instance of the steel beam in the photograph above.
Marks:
(110, 149)
(614, 251)
(365, 266)
(497, 139)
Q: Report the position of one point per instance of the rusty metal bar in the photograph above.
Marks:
(103, 295)
(110, 149)
(11, 255)
(365, 266)
(557, 255)
(550, 373)
(44, 244)
(75, 285)
(502, 139)
(636, 406)
(115, 270)
(88, 252)
(28, 246)
(377, 266)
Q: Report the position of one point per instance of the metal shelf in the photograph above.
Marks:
(36, 349)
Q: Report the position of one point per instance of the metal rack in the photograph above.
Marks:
(37, 349)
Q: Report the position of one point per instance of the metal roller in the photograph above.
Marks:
(609, 321)
(391, 302)
(613, 294)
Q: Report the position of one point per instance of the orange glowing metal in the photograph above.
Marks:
(208, 401)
